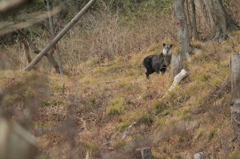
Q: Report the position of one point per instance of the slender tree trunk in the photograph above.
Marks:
(193, 21)
(235, 89)
(183, 35)
(56, 46)
(59, 36)
(223, 23)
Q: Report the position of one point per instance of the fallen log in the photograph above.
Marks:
(177, 79)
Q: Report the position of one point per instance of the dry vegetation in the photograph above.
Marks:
(104, 91)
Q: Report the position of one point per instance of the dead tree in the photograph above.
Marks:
(59, 36)
(235, 89)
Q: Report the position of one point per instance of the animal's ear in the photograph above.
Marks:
(171, 45)
(164, 44)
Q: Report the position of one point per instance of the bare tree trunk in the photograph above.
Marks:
(235, 89)
(183, 35)
(193, 21)
(56, 46)
(59, 36)
(223, 23)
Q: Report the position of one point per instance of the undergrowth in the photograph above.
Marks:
(98, 107)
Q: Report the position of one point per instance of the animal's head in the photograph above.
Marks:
(167, 49)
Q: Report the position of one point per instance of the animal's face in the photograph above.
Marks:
(167, 49)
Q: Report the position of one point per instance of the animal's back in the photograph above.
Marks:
(157, 61)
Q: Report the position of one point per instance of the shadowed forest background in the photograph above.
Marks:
(102, 106)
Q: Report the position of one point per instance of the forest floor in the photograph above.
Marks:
(88, 110)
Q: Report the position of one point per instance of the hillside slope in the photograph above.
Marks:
(89, 109)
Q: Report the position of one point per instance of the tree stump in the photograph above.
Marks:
(143, 153)
(176, 65)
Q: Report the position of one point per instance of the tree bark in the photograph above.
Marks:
(59, 36)
(235, 90)
(203, 13)
(183, 35)
(223, 23)
(59, 67)
(193, 21)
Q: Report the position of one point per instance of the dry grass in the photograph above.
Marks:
(90, 111)
(104, 91)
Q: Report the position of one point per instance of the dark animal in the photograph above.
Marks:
(158, 63)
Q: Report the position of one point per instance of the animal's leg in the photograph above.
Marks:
(158, 70)
(147, 75)
(149, 70)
